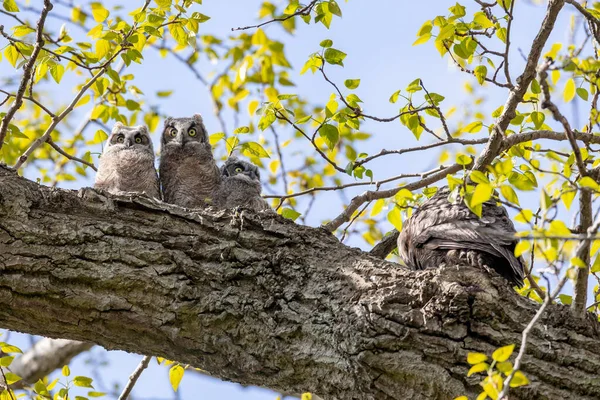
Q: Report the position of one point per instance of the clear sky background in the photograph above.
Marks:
(378, 37)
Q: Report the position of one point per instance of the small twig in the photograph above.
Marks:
(303, 11)
(67, 155)
(134, 377)
(27, 72)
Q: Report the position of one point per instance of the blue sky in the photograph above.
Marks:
(378, 37)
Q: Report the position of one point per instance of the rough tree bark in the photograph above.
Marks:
(262, 301)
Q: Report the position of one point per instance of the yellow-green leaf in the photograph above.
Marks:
(503, 353)
(569, 92)
(509, 194)
(11, 377)
(588, 182)
(395, 218)
(253, 149)
(6, 361)
(518, 379)
(10, 6)
(521, 248)
(483, 192)
(66, 371)
(11, 55)
(478, 368)
(476, 358)
(99, 12)
(290, 214)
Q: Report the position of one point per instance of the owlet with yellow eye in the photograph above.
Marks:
(240, 186)
(188, 173)
(127, 162)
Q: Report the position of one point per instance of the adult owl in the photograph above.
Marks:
(188, 172)
(444, 232)
(240, 186)
(127, 162)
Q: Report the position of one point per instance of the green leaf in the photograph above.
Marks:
(6, 361)
(535, 87)
(10, 6)
(476, 358)
(83, 381)
(422, 39)
(480, 73)
(99, 12)
(583, 93)
(96, 394)
(11, 377)
(538, 119)
(509, 194)
(175, 375)
(57, 71)
(334, 56)
(352, 83)
(394, 96)
(479, 177)
(253, 149)
(503, 353)
(565, 299)
(290, 214)
(326, 43)
(569, 92)
(330, 134)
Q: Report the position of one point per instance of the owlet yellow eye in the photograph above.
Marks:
(138, 139)
(238, 170)
(173, 132)
(120, 139)
(192, 132)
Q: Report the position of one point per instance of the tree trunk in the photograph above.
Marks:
(257, 299)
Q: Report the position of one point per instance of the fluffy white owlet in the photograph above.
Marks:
(240, 186)
(188, 173)
(127, 162)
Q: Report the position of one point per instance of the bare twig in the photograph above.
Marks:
(303, 11)
(27, 72)
(356, 202)
(70, 157)
(134, 377)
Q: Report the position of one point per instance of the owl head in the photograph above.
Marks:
(184, 133)
(125, 137)
(239, 169)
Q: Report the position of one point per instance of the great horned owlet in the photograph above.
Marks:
(240, 186)
(188, 172)
(127, 162)
(445, 232)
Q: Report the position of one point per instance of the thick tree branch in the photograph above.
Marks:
(260, 300)
(45, 356)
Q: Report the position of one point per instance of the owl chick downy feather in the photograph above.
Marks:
(127, 162)
(188, 173)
